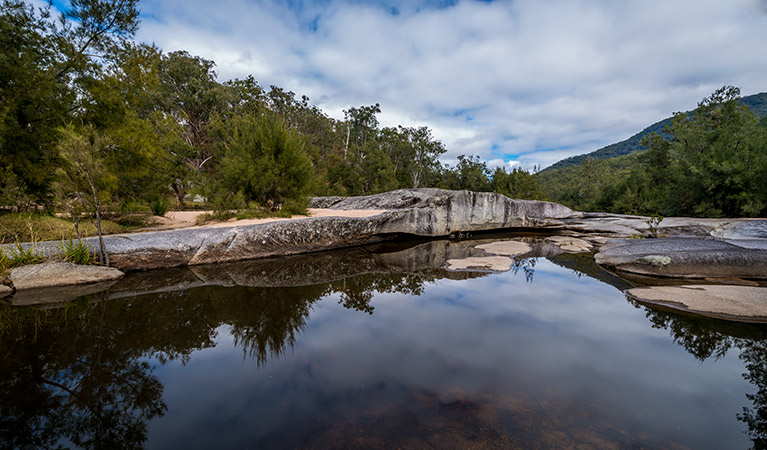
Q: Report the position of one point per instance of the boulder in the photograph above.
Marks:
(53, 274)
(5, 291)
(684, 258)
(738, 303)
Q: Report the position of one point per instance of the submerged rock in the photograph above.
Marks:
(570, 244)
(491, 263)
(684, 258)
(53, 274)
(739, 303)
(505, 248)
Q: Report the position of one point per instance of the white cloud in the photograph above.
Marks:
(541, 80)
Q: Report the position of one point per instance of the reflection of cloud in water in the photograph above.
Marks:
(561, 358)
(537, 356)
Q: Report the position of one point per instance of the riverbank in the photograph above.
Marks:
(719, 249)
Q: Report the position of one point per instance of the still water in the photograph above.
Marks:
(377, 348)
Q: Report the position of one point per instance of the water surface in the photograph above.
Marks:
(377, 348)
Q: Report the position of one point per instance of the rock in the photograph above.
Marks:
(742, 229)
(684, 258)
(492, 263)
(619, 225)
(54, 274)
(735, 281)
(570, 244)
(5, 291)
(420, 212)
(505, 248)
(738, 303)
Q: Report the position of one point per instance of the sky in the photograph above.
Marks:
(525, 82)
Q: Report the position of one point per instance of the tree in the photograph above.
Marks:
(42, 70)
(189, 98)
(470, 173)
(82, 174)
(517, 183)
(717, 157)
(264, 163)
(425, 153)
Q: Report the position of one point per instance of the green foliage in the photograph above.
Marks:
(470, 173)
(709, 163)
(517, 183)
(76, 252)
(652, 225)
(264, 163)
(45, 69)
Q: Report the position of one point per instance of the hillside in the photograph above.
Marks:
(757, 103)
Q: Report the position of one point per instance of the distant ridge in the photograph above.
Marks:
(757, 103)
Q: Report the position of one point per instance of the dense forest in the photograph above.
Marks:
(92, 120)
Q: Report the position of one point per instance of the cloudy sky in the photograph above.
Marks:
(523, 82)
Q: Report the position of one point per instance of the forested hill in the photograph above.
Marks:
(757, 103)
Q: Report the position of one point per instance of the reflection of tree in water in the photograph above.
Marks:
(67, 374)
(527, 266)
(80, 373)
(709, 338)
(357, 292)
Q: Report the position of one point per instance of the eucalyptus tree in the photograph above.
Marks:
(44, 65)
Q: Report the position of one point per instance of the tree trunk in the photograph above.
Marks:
(346, 147)
(104, 256)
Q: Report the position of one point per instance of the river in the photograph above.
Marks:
(377, 347)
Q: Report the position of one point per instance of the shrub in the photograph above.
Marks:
(159, 206)
(264, 163)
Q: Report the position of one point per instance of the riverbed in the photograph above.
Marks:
(378, 347)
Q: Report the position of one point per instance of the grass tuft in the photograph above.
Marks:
(31, 227)
(22, 256)
(76, 252)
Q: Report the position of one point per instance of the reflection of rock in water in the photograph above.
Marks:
(711, 338)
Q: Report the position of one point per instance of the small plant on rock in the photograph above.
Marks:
(653, 223)
(76, 252)
(22, 256)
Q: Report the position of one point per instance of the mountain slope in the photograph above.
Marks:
(757, 103)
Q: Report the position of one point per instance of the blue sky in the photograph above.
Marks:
(531, 81)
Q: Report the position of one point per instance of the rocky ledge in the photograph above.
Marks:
(417, 212)
(722, 249)
(687, 257)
